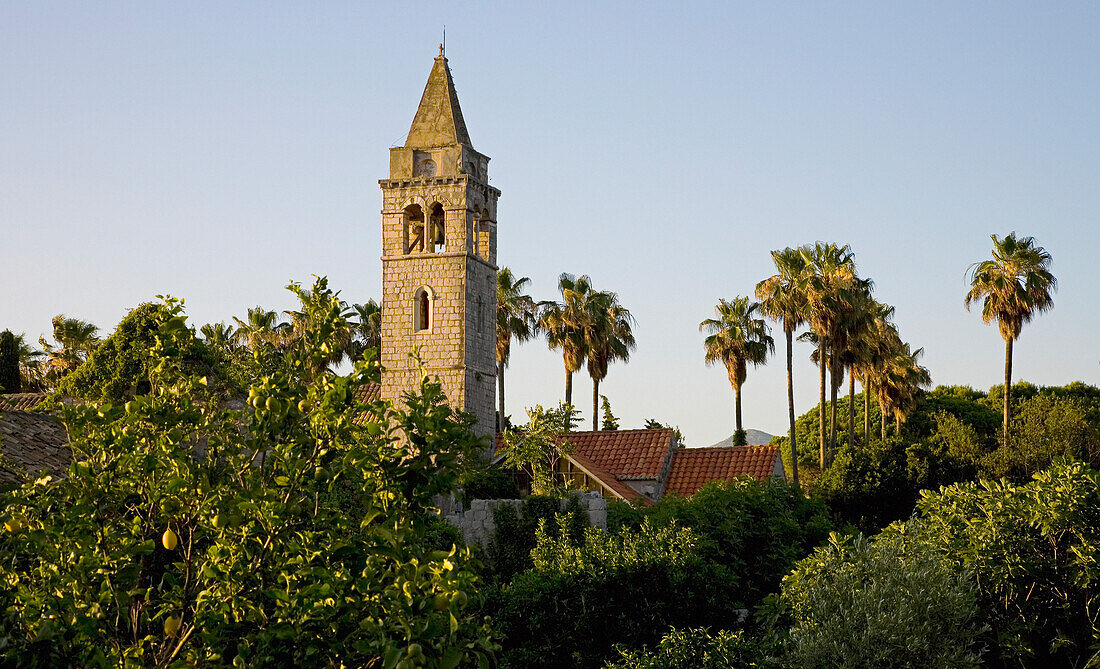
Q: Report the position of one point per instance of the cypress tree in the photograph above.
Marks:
(9, 363)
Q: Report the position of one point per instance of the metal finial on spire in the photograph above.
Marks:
(443, 46)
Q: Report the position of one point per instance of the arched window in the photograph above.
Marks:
(483, 230)
(414, 229)
(438, 231)
(475, 240)
(422, 311)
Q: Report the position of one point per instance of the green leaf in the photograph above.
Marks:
(451, 657)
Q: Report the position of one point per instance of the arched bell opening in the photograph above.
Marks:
(437, 226)
(413, 235)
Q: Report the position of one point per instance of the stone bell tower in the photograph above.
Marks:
(439, 253)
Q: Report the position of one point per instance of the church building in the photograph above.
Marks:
(439, 254)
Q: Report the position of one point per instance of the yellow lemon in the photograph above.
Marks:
(169, 540)
(171, 625)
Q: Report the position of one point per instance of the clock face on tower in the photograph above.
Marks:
(425, 168)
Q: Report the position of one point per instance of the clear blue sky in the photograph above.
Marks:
(215, 151)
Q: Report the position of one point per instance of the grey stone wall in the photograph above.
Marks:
(477, 523)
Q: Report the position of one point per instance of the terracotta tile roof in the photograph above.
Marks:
(31, 442)
(631, 455)
(692, 468)
(605, 477)
(21, 401)
(614, 456)
(368, 392)
(365, 394)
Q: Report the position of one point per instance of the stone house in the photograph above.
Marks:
(646, 465)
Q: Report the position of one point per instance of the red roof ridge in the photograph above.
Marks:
(729, 448)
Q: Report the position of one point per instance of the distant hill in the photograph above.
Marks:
(752, 438)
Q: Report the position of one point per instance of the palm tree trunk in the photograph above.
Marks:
(790, 406)
(568, 387)
(866, 414)
(851, 410)
(821, 405)
(833, 385)
(595, 404)
(882, 421)
(737, 406)
(1008, 386)
(500, 395)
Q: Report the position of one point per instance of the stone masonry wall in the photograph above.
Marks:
(477, 523)
(459, 345)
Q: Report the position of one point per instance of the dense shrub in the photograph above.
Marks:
(879, 605)
(871, 486)
(489, 482)
(1044, 427)
(979, 410)
(508, 551)
(698, 649)
(581, 599)
(288, 534)
(868, 487)
(622, 514)
(1033, 550)
(967, 405)
(952, 453)
(755, 530)
(120, 367)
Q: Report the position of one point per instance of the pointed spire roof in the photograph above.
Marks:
(438, 120)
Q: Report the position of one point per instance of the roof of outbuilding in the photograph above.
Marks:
(692, 468)
(21, 401)
(630, 455)
(605, 477)
(366, 394)
(31, 442)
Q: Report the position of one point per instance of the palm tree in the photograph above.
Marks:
(219, 335)
(830, 274)
(608, 337)
(261, 327)
(316, 306)
(737, 339)
(783, 299)
(564, 323)
(517, 318)
(872, 346)
(899, 380)
(1014, 286)
(32, 375)
(76, 339)
(366, 330)
(859, 325)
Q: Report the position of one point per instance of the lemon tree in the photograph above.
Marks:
(289, 532)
